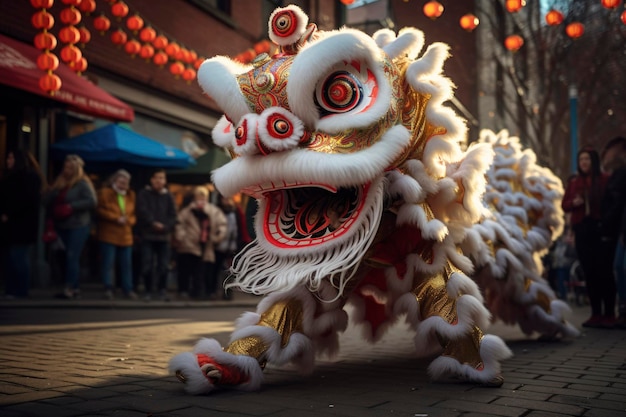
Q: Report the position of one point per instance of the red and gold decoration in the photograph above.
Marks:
(433, 9)
(514, 6)
(513, 43)
(575, 30)
(623, 17)
(469, 22)
(46, 42)
(554, 17)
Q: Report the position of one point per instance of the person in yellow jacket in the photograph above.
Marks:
(116, 218)
(201, 225)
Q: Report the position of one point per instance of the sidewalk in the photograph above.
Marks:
(111, 361)
(92, 296)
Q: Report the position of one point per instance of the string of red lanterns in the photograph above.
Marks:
(147, 43)
(46, 42)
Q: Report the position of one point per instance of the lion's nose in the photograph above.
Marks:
(274, 130)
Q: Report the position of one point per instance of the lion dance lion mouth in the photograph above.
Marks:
(366, 197)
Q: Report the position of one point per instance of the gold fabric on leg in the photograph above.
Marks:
(432, 296)
(465, 350)
(285, 317)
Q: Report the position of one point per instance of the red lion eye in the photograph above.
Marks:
(285, 23)
(241, 133)
(340, 93)
(279, 127)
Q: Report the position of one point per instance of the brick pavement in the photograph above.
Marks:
(109, 360)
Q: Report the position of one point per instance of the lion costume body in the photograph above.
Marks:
(364, 196)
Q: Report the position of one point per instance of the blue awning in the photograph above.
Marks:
(118, 145)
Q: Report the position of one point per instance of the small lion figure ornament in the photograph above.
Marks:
(365, 196)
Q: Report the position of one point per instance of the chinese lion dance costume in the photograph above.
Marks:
(365, 196)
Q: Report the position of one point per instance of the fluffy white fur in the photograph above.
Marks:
(409, 42)
(197, 383)
(216, 76)
(492, 351)
(301, 165)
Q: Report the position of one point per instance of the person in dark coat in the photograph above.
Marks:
(583, 200)
(20, 201)
(71, 201)
(156, 219)
(614, 217)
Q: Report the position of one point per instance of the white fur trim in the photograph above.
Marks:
(217, 78)
(409, 42)
(197, 383)
(492, 351)
(310, 167)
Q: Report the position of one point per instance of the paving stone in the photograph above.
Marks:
(541, 406)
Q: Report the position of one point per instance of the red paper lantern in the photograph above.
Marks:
(71, 53)
(513, 43)
(119, 37)
(189, 74)
(71, 2)
(623, 17)
(45, 40)
(79, 66)
(119, 9)
(514, 6)
(50, 83)
(134, 23)
(146, 51)
(182, 55)
(71, 16)
(101, 24)
(193, 55)
(347, 2)
(47, 61)
(611, 4)
(85, 35)
(575, 30)
(469, 22)
(160, 42)
(433, 9)
(147, 34)
(172, 49)
(42, 4)
(160, 58)
(87, 6)
(554, 17)
(69, 34)
(132, 47)
(261, 47)
(177, 68)
(198, 62)
(42, 20)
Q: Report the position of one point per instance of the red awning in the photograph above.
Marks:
(18, 69)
